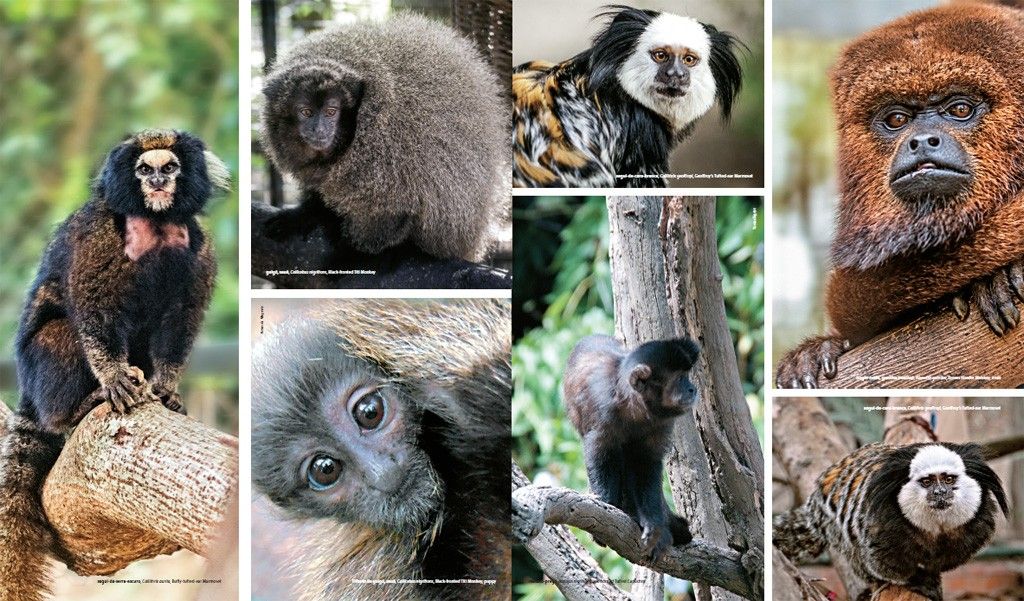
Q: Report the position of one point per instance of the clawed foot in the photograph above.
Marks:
(800, 368)
(125, 390)
(996, 298)
(654, 541)
(170, 398)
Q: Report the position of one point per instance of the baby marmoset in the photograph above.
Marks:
(900, 515)
(397, 128)
(931, 172)
(111, 316)
(388, 422)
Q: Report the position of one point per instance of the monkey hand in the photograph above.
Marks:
(800, 368)
(168, 395)
(995, 296)
(125, 389)
(655, 540)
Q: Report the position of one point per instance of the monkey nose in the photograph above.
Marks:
(925, 141)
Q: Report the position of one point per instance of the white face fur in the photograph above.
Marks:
(933, 461)
(637, 73)
(157, 171)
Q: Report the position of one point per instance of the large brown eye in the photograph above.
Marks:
(960, 110)
(330, 111)
(306, 112)
(949, 479)
(659, 56)
(369, 411)
(896, 120)
(926, 482)
(690, 60)
(323, 472)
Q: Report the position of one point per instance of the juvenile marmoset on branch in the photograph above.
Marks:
(111, 317)
(394, 128)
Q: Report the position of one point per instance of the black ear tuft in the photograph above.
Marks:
(688, 349)
(974, 463)
(616, 42)
(884, 485)
(117, 184)
(725, 67)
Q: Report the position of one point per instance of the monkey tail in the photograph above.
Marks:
(795, 534)
(26, 539)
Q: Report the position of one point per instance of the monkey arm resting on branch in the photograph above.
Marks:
(133, 486)
(535, 506)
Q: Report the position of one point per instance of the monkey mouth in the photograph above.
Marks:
(927, 169)
(671, 91)
(929, 179)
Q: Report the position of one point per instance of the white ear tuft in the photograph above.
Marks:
(217, 171)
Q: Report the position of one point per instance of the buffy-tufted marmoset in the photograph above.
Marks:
(930, 110)
(385, 426)
(397, 129)
(111, 317)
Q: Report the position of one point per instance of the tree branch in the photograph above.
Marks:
(935, 350)
(561, 557)
(534, 506)
(134, 486)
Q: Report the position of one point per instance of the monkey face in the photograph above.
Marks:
(332, 437)
(669, 70)
(939, 494)
(931, 131)
(158, 170)
(311, 115)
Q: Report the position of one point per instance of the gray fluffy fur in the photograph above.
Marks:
(430, 140)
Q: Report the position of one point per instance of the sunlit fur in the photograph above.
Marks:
(597, 120)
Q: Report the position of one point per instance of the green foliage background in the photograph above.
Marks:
(76, 76)
(563, 292)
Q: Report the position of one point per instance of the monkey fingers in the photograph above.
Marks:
(995, 297)
(125, 389)
(169, 398)
(800, 368)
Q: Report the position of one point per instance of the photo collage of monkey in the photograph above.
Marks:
(736, 316)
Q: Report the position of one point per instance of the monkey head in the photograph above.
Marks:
(929, 107)
(674, 65)
(310, 114)
(659, 372)
(164, 174)
(335, 437)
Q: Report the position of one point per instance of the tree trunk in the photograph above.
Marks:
(130, 487)
(667, 283)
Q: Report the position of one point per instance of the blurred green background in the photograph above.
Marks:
(563, 292)
(76, 76)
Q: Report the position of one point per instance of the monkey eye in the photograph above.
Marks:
(690, 60)
(323, 472)
(369, 411)
(659, 56)
(145, 169)
(896, 120)
(927, 481)
(306, 112)
(960, 110)
(169, 168)
(330, 111)
(949, 479)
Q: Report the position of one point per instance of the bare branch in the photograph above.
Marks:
(699, 561)
(935, 347)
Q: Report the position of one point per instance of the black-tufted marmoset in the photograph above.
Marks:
(388, 423)
(624, 404)
(931, 172)
(111, 317)
(395, 131)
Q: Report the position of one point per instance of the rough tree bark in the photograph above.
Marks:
(930, 352)
(667, 283)
(131, 487)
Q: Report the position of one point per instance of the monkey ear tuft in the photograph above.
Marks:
(217, 171)
(638, 376)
